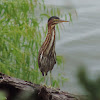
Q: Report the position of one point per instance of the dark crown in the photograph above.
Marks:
(53, 17)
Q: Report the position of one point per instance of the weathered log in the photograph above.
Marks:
(18, 89)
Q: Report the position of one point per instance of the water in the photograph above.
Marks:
(79, 42)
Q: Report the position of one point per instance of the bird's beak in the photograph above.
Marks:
(62, 21)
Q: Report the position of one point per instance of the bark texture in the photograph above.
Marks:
(17, 89)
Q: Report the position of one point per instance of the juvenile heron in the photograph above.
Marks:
(47, 54)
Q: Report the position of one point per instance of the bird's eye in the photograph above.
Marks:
(56, 20)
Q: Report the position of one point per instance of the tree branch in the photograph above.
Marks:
(17, 89)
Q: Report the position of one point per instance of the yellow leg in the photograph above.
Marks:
(50, 78)
(44, 79)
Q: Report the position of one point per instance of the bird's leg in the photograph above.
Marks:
(44, 79)
(51, 83)
(50, 78)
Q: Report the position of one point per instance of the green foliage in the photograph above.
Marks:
(69, 16)
(19, 41)
(60, 60)
(91, 86)
(2, 96)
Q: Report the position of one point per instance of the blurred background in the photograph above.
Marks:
(23, 28)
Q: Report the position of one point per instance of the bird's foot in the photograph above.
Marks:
(56, 89)
(50, 86)
(43, 84)
(53, 89)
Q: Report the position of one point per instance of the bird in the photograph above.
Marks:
(47, 54)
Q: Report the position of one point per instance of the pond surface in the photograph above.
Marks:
(79, 42)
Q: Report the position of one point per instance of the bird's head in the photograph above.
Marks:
(52, 21)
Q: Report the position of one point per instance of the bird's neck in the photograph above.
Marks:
(50, 40)
(51, 29)
(51, 33)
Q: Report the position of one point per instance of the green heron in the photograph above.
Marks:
(47, 54)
